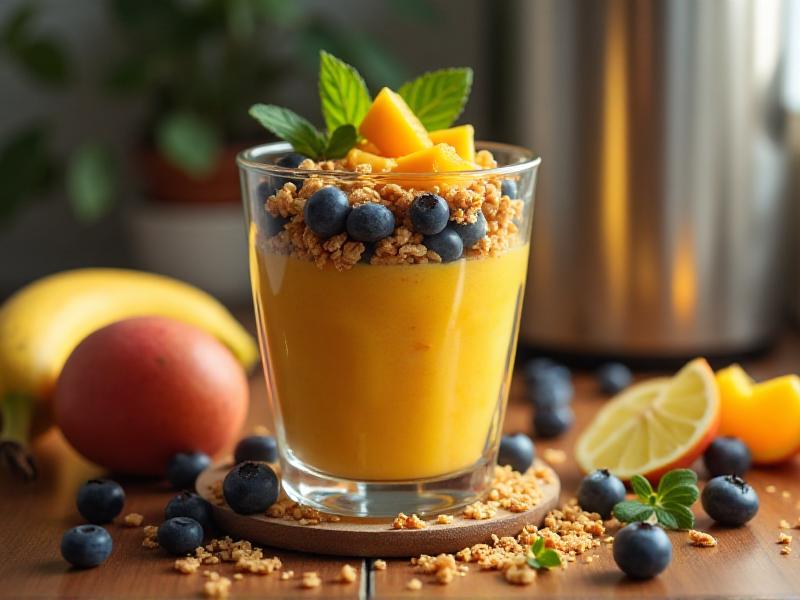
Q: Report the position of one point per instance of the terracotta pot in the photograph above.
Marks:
(166, 183)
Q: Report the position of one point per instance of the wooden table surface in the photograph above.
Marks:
(746, 564)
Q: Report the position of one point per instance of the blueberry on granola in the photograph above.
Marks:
(326, 211)
(729, 500)
(599, 492)
(642, 550)
(189, 504)
(180, 535)
(447, 244)
(86, 546)
(471, 233)
(370, 222)
(184, 467)
(289, 161)
(250, 487)
(509, 188)
(517, 451)
(100, 500)
(613, 378)
(429, 214)
(727, 456)
(256, 447)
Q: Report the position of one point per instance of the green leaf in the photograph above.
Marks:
(438, 97)
(44, 60)
(683, 515)
(130, 74)
(340, 142)
(548, 558)
(26, 169)
(665, 518)
(537, 546)
(629, 511)
(189, 142)
(642, 487)
(676, 478)
(686, 495)
(342, 92)
(289, 126)
(16, 28)
(90, 182)
(533, 563)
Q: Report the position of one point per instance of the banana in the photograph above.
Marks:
(42, 323)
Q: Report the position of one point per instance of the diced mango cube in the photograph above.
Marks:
(462, 138)
(391, 126)
(437, 159)
(379, 163)
(368, 146)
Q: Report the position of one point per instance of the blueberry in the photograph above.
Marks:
(184, 467)
(180, 535)
(551, 392)
(264, 190)
(516, 450)
(429, 214)
(447, 244)
(727, 456)
(729, 500)
(256, 447)
(552, 422)
(509, 188)
(642, 550)
(470, 233)
(369, 252)
(100, 500)
(326, 211)
(539, 368)
(86, 546)
(370, 222)
(613, 378)
(274, 225)
(289, 161)
(189, 504)
(599, 492)
(250, 487)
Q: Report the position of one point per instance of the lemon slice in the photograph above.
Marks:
(654, 426)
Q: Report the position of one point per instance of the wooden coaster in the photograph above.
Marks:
(372, 537)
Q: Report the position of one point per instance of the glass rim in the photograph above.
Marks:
(251, 159)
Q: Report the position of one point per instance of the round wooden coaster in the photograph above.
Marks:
(371, 537)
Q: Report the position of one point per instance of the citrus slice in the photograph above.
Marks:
(654, 426)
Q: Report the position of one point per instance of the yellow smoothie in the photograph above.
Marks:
(388, 373)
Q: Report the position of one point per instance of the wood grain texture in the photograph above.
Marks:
(375, 537)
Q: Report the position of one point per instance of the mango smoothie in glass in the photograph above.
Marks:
(388, 290)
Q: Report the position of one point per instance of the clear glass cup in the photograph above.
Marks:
(388, 382)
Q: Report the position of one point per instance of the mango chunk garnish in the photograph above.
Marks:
(379, 164)
(462, 138)
(440, 158)
(392, 127)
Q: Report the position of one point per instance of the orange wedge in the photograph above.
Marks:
(654, 426)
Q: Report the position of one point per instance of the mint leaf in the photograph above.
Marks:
(342, 92)
(683, 515)
(641, 487)
(91, 180)
(340, 141)
(537, 546)
(289, 126)
(629, 511)
(548, 559)
(438, 97)
(676, 478)
(685, 495)
(666, 518)
(188, 141)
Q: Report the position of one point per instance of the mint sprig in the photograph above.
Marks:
(438, 97)
(670, 504)
(342, 93)
(289, 126)
(540, 557)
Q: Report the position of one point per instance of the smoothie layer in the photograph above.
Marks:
(390, 372)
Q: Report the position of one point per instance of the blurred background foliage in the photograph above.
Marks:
(195, 66)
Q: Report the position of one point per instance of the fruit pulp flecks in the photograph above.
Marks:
(391, 372)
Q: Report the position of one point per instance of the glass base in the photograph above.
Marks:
(385, 499)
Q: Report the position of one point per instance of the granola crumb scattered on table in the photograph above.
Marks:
(444, 519)
(554, 456)
(217, 587)
(348, 574)
(286, 575)
(310, 580)
(771, 489)
(784, 538)
(238, 576)
(519, 573)
(414, 585)
(786, 550)
(403, 521)
(786, 494)
(133, 520)
(187, 565)
(701, 539)
(783, 524)
(379, 564)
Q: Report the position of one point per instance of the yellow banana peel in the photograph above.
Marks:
(43, 322)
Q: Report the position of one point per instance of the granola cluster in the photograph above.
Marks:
(464, 198)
